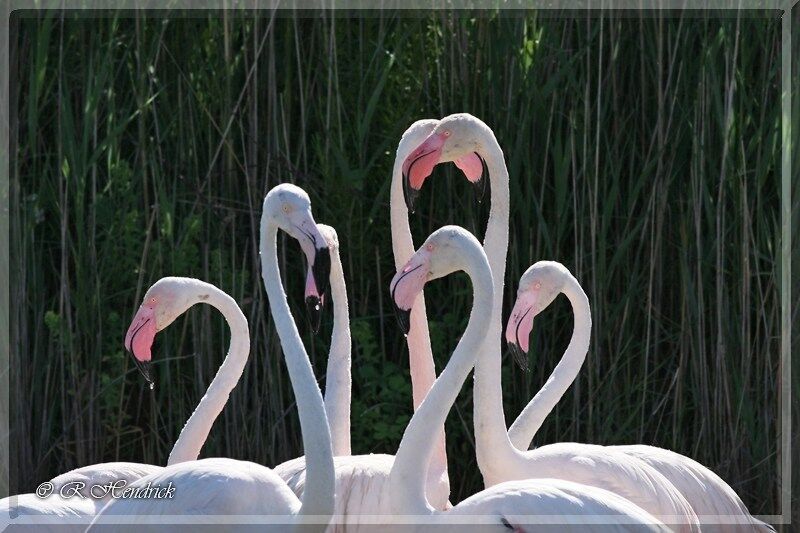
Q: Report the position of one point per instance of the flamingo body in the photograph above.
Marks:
(716, 504)
(215, 489)
(534, 505)
(77, 484)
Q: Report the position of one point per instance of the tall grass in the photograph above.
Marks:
(643, 153)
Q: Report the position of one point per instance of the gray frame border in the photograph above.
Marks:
(785, 7)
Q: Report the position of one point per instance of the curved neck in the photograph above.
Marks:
(318, 496)
(531, 418)
(420, 354)
(423, 371)
(195, 432)
(338, 381)
(493, 448)
(407, 477)
(495, 241)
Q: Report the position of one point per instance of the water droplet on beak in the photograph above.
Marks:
(152, 385)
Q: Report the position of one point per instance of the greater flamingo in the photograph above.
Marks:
(138, 340)
(338, 381)
(172, 297)
(218, 488)
(714, 502)
(503, 506)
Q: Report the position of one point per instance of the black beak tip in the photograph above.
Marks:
(480, 189)
(321, 269)
(403, 318)
(480, 184)
(314, 308)
(520, 357)
(144, 368)
(410, 194)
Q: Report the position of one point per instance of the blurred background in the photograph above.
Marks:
(644, 154)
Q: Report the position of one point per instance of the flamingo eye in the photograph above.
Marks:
(447, 133)
(429, 247)
(153, 300)
(286, 208)
(537, 285)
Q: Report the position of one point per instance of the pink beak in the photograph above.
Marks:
(406, 285)
(520, 325)
(474, 168)
(419, 165)
(139, 339)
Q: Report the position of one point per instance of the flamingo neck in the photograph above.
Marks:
(423, 371)
(531, 418)
(407, 477)
(318, 497)
(493, 448)
(495, 241)
(338, 381)
(195, 432)
(420, 354)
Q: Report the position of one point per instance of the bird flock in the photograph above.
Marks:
(563, 486)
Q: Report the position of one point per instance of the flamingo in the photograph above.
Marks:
(194, 434)
(505, 506)
(170, 296)
(710, 497)
(338, 381)
(472, 145)
(217, 488)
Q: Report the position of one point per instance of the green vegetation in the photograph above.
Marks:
(643, 153)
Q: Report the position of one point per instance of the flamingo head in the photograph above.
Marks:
(315, 300)
(538, 287)
(165, 301)
(289, 207)
(441, 254)
(456, 138)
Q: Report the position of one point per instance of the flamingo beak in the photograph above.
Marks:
(477, 172)
(144, 368)
(315, 301)
(139, 340)
(321, 269)
(315, 248)
(520, 357)
(406, 285)
(419, 165)
(410, 194)
(403, 319)
(519, 327)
